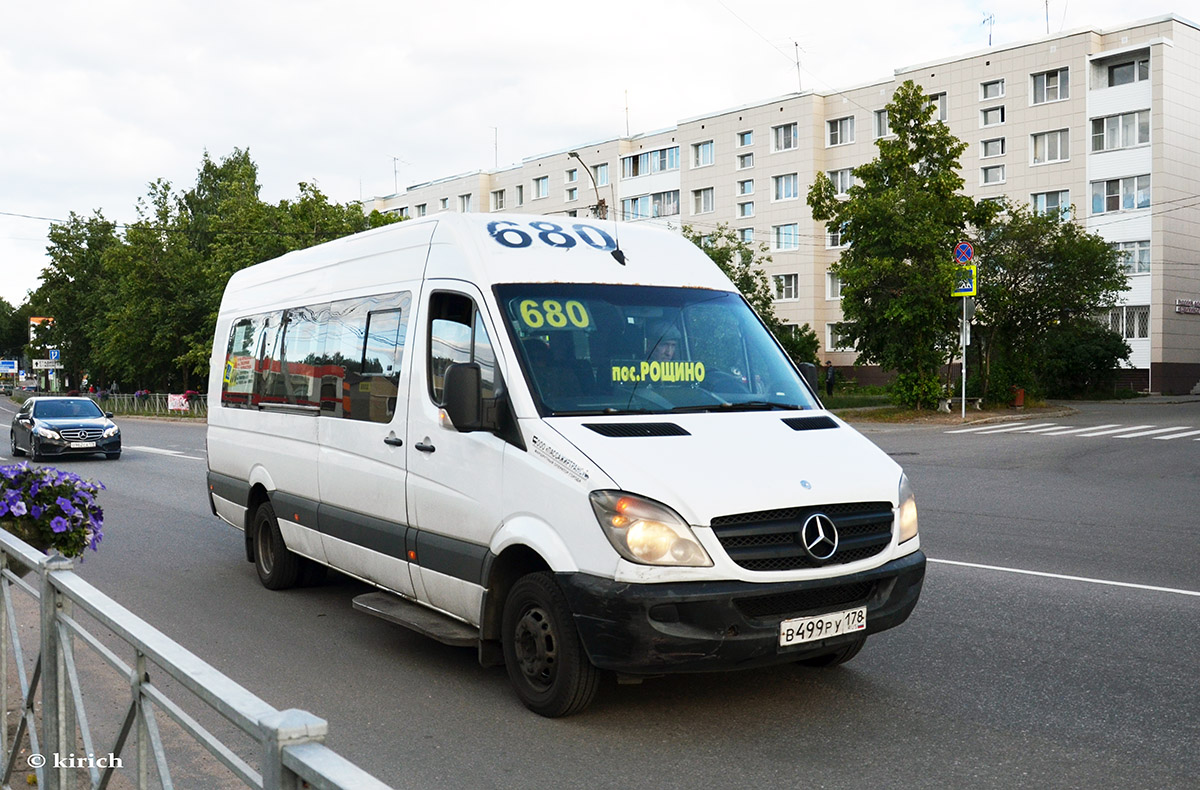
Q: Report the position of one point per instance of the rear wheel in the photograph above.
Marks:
(836, 657)
(277, 567)
(544, 658)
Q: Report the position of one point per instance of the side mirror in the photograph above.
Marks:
(809, 371)
(108, 414)
(462, 398)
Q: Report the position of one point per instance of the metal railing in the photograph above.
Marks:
(151, 404)
(289, 743)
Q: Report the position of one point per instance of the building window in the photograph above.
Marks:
(520, 194)
(784, 137)
(1051, 202)
(745, 138)
(498, 200)
(1051, 86)
(842, 180)
(993, 174)
(994, 147)
(702, 154)
(659, 161)
(881, 124)
(1136, 256)
(541, 187)
(1128, 72)
(991, 90)
(444, 204)
(1051, 147)
(702, 201)
(1121, 131)
(835, 237)
(745, 161)
(836, 337)
(787, 187)
(659, 204)
(464, 203)
(422, 209)
(787, 286)
(572, 175)
(786, 237)
(746, 235)
(841, 131)
(572, 194)
(992, 116)
(1120, 194)
(601, 174)
(833, 286)
(745, 187)
(746, 209)
(938, 100)
(1132, 322)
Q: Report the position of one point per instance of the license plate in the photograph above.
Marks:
(81, 445)
(823, 626)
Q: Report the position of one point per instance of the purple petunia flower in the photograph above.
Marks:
(18, 508)
(59, 524)
(36, 511)
(65, 506)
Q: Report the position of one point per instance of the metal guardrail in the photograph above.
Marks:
(154, 403)
(290, 742)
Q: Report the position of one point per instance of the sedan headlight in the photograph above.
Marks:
(46, 433)
(111, 431)
(646, 532)
(908, 510)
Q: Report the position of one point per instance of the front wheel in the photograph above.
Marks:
(278, 568)
(549, 671)
(839, 656)
(16, 451)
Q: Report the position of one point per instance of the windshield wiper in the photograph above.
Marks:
(752, 405)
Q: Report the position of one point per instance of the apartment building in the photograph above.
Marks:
(1101, 123)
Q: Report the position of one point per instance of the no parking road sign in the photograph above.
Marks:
(963, 252)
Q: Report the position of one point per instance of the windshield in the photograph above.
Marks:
(605, 349)
(59, 409)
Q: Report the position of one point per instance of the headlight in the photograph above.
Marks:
(111, 430)
(46, 433)
(908, 510)
(646, 532)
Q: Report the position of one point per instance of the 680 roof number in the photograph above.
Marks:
(511, 234)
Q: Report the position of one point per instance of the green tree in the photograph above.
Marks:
(76, 292)
(1039, 276)
(744, 265)
(903, 217)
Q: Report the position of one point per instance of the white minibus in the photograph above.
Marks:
(569, 444)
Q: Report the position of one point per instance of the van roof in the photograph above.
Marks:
(484, 249)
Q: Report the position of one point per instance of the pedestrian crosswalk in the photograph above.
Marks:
(1109, 431)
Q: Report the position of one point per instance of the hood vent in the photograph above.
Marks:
(625, 429)
(810, 423)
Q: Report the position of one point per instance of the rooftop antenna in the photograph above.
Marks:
(496, 147)
(601, 210)
(1047, 17)
(799, 87)
(396, 174)
(626, 112)
(990, 21)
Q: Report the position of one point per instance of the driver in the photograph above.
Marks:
(664, 343)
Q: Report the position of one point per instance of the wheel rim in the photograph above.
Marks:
(536, 646)
(266, 550)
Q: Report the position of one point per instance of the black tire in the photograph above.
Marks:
(278, 568)
(33, 450)
(17, 452)
(113, 456)
(836, 657)
(549, 671)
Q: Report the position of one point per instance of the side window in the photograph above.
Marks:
(237, 385)
(457, 334)
(360, 367)
(302, 346)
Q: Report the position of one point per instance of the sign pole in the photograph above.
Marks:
(963, 337)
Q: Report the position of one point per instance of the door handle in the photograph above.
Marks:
(425, 447)
(393, 441)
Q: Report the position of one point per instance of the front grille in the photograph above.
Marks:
(769, 540)
(791, 603)
(81, 434)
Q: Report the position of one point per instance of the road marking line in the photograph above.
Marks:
(973, 430)
(1068, 578)
(1117, 430)
(160, 451)
(1065, 431)
(1019, 428)
(1044, 430)
(1148, 433)
(1178, 435)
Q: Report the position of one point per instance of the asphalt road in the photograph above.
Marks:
(1056, 644)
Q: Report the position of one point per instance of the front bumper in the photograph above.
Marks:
(710, 626)
(53, 447)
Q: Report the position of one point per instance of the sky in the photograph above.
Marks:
(100, 99)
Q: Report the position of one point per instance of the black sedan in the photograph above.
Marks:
(48, 427)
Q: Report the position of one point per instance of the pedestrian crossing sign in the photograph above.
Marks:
(966, 281)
